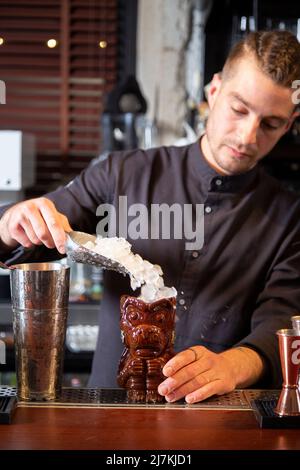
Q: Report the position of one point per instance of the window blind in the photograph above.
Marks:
(56, 93)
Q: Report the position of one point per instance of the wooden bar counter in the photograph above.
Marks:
(145, 428)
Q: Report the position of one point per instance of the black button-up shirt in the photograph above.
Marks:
(238, 289)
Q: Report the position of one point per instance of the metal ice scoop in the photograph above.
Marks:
(4, 266)
(80, 254)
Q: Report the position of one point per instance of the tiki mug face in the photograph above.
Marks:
(148, 335)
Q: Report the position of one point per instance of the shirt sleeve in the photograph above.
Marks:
(81, 197)
(276, 304)
(78, 200)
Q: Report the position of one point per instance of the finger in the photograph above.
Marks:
(20, 236)
(182, 359)
(39, 225)
(214, 387)
(24, 222)
(202, 393)
(184, 375)
(53, 222)
(29, 231)
(190, 386)
(65, 223)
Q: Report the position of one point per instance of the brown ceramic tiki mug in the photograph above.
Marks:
(148, 335)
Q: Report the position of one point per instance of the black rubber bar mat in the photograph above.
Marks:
(7, 407)
(267, 418)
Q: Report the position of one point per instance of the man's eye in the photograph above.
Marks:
(269, 126)
(238, 111)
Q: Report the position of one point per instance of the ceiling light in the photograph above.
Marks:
(52, 43)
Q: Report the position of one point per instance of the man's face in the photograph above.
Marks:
(248, 115)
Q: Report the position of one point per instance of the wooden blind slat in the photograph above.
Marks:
(21, 25)
(50, 12)
(57, 94)
(30, 3)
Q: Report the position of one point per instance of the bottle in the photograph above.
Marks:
(96, 288)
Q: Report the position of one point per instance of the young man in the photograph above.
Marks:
(244, 283)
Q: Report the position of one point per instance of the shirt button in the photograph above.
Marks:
(208, 209)
(218, 182)
(195, 254)
(181, 292)
(181, 302)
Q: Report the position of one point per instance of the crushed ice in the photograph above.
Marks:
(142, 273)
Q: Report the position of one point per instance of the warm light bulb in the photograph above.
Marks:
(102, 44)
(52, 43)
(1, 41)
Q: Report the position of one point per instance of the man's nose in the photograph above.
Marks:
(248, 132)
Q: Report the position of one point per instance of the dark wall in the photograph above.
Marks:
(223, 25)
(222, 31)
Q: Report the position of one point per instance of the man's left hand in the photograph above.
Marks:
(198, 373)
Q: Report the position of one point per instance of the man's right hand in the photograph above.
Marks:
(34, 222)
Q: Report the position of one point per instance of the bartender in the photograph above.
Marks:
(244, 283)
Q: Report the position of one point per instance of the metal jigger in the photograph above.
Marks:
(296, 324)
(289, 348)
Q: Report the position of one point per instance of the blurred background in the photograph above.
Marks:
(85, 77)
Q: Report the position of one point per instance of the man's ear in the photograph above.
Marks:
(214, 88)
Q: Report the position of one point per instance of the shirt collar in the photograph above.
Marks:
(209, 175)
